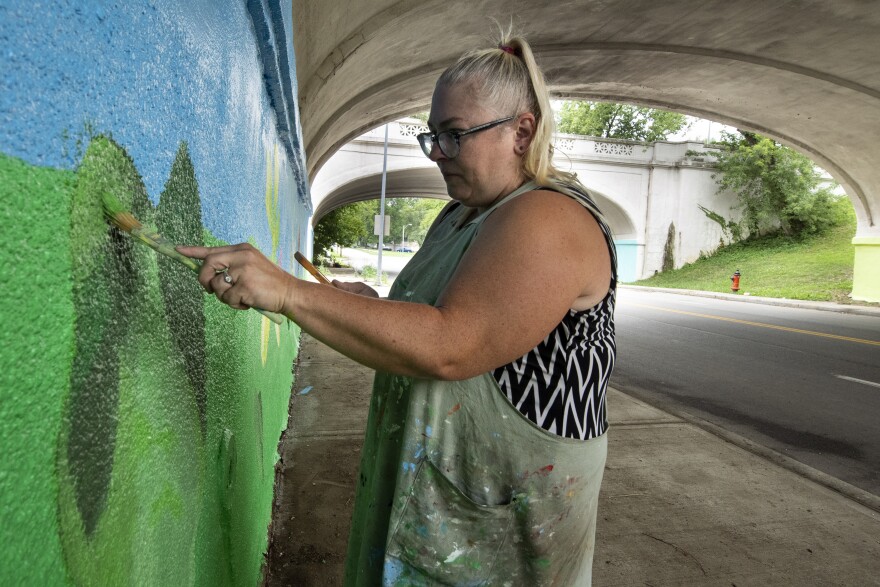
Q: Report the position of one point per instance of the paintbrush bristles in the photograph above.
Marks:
(117, 214)
(111, 204)
(124, 221)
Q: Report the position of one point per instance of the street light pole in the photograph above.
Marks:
(403, 237)
(382, 209)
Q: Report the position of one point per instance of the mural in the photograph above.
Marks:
(146, 448)
(139, 417)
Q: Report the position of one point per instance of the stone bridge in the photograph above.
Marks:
(642, 188)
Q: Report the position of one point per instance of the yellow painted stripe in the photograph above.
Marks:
(762, 325)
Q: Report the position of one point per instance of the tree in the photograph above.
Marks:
(343, 226)
(418, 213)
(778, 188)
(619, 121)
(353, 224)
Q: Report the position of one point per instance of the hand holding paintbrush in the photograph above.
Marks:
(357, 288)
(126, 222)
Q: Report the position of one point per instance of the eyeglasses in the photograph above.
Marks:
(449, 141)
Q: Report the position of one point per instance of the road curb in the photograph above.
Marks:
(860, 496)
(803, 304)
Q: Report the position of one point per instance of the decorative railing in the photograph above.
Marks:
(564, 144)
(575, 146)
(612, 148)
(411, 130)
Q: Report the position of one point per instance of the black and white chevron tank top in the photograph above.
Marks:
(560, 385)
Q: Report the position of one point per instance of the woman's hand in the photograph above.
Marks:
(242, 277)
(360, 288)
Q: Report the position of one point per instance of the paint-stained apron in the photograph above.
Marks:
(457, 487)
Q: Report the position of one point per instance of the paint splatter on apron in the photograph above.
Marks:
(456, 486)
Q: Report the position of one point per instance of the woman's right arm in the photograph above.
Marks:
(502, 300)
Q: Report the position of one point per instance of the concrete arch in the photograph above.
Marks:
(415, 183)
(630, 249)
(804, 74)
(419, 182)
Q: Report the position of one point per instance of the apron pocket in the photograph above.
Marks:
(444, 536)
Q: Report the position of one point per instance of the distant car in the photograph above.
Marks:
(386, 247)
(403, 250)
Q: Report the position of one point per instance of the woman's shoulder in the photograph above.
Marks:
(548, 202)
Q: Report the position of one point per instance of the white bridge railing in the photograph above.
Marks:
(569, 146)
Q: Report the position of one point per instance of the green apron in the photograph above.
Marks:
(456, 486)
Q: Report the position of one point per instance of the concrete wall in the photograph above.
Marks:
(140, 418)
(642, 189)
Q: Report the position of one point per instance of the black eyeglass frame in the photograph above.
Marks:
(428, 139)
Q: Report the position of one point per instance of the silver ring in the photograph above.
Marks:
(227, 278)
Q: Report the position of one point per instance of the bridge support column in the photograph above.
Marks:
(866, 269)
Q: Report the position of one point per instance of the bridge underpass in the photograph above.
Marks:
(805, 74)
(807, 78)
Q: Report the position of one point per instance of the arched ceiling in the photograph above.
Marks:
(424, 182)
(806, 73)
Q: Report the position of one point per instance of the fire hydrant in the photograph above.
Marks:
(735, 280)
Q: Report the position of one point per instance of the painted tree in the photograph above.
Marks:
(106, 282)
(179, 219)
(619, 121)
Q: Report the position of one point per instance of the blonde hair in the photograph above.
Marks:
(508, 80)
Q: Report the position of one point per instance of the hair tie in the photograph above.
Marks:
(507, 49)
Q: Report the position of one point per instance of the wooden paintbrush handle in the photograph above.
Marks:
(311, 268)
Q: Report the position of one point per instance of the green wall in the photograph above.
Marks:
(140, 416)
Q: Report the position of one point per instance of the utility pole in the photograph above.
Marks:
(382, 209)
(403, 236)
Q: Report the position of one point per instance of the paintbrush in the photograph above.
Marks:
(311, 268)
(126, 222)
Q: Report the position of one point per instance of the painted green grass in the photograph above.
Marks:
(35, 351)
(813, 268)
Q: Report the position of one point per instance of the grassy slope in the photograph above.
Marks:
(815, 268)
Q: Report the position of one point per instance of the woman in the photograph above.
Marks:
(485, 442)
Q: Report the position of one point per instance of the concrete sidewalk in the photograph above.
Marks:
(679, 505)
(860, 308)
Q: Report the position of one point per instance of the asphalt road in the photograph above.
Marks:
(805, 383)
